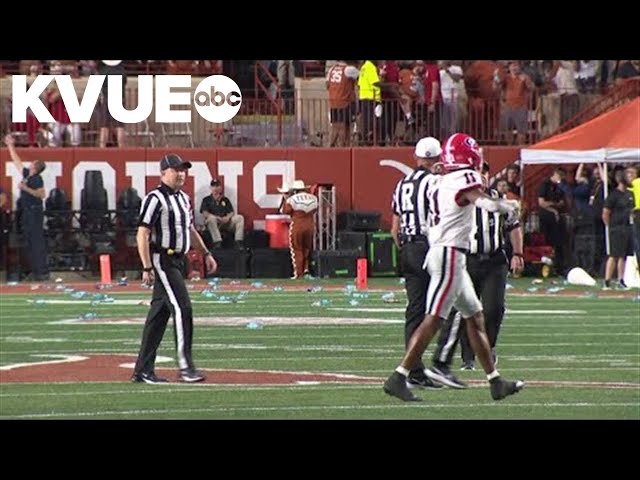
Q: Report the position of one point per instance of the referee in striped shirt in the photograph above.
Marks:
(165, 233)
(487, 264)
(409, 231)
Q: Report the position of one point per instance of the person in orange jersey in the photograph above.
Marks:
(301, 205)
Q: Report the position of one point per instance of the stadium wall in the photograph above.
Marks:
(364, 177)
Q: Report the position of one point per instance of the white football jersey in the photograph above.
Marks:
(450, 217)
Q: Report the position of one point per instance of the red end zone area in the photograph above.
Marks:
(118, 368)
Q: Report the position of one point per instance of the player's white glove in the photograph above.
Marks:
(514, 204)
(513, 210)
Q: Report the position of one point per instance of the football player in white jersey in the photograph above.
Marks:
(451, 204)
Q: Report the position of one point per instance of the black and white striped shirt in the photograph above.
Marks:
(168, 214)
(489, 228)
(410, 202)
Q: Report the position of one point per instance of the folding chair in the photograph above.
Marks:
(176, 130)
(141, 131)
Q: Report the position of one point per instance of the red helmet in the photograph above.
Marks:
(461, 151)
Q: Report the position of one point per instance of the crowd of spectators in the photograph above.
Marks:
(497, 101)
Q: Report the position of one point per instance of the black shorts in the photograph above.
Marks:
(621, 241)
(341, 115)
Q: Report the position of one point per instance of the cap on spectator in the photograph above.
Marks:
(428, 147)
(171, 160)
(112, 63)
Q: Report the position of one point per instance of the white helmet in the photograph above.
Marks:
(428, 147)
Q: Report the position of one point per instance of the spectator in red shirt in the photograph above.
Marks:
(430, 114)
(32, 125)
(389, 73)
(60, 115)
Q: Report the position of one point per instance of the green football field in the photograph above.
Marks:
(278, 351)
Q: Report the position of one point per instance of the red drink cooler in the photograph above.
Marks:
(278, 228)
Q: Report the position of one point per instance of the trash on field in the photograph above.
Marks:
(390, 297)
(323, 302)
(554, 289)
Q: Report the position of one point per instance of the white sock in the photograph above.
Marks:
(493, 375)
(402, 371)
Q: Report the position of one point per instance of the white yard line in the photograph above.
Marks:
(308, 408)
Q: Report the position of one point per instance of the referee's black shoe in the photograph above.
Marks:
(443, 375)
(418, 379)
(145, 377)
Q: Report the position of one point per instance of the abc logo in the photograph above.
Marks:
(217, 98)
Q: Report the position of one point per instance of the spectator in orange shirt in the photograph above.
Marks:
(408, 92)
(340, 82)
(483, 79)
(517, 88)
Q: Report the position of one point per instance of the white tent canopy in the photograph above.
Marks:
(611, 155)
(613, 137)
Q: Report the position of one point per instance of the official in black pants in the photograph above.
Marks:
(409, 231)
(32, 193)
(488, 266)
(489, 276)
(413, 251)
(164, 237)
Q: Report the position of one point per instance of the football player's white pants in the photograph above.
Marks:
(450, 284)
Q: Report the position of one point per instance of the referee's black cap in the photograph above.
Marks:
(171, 160)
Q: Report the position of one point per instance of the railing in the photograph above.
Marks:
(290, 122)
(272, 118)
(618, 95)
(271, 92)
